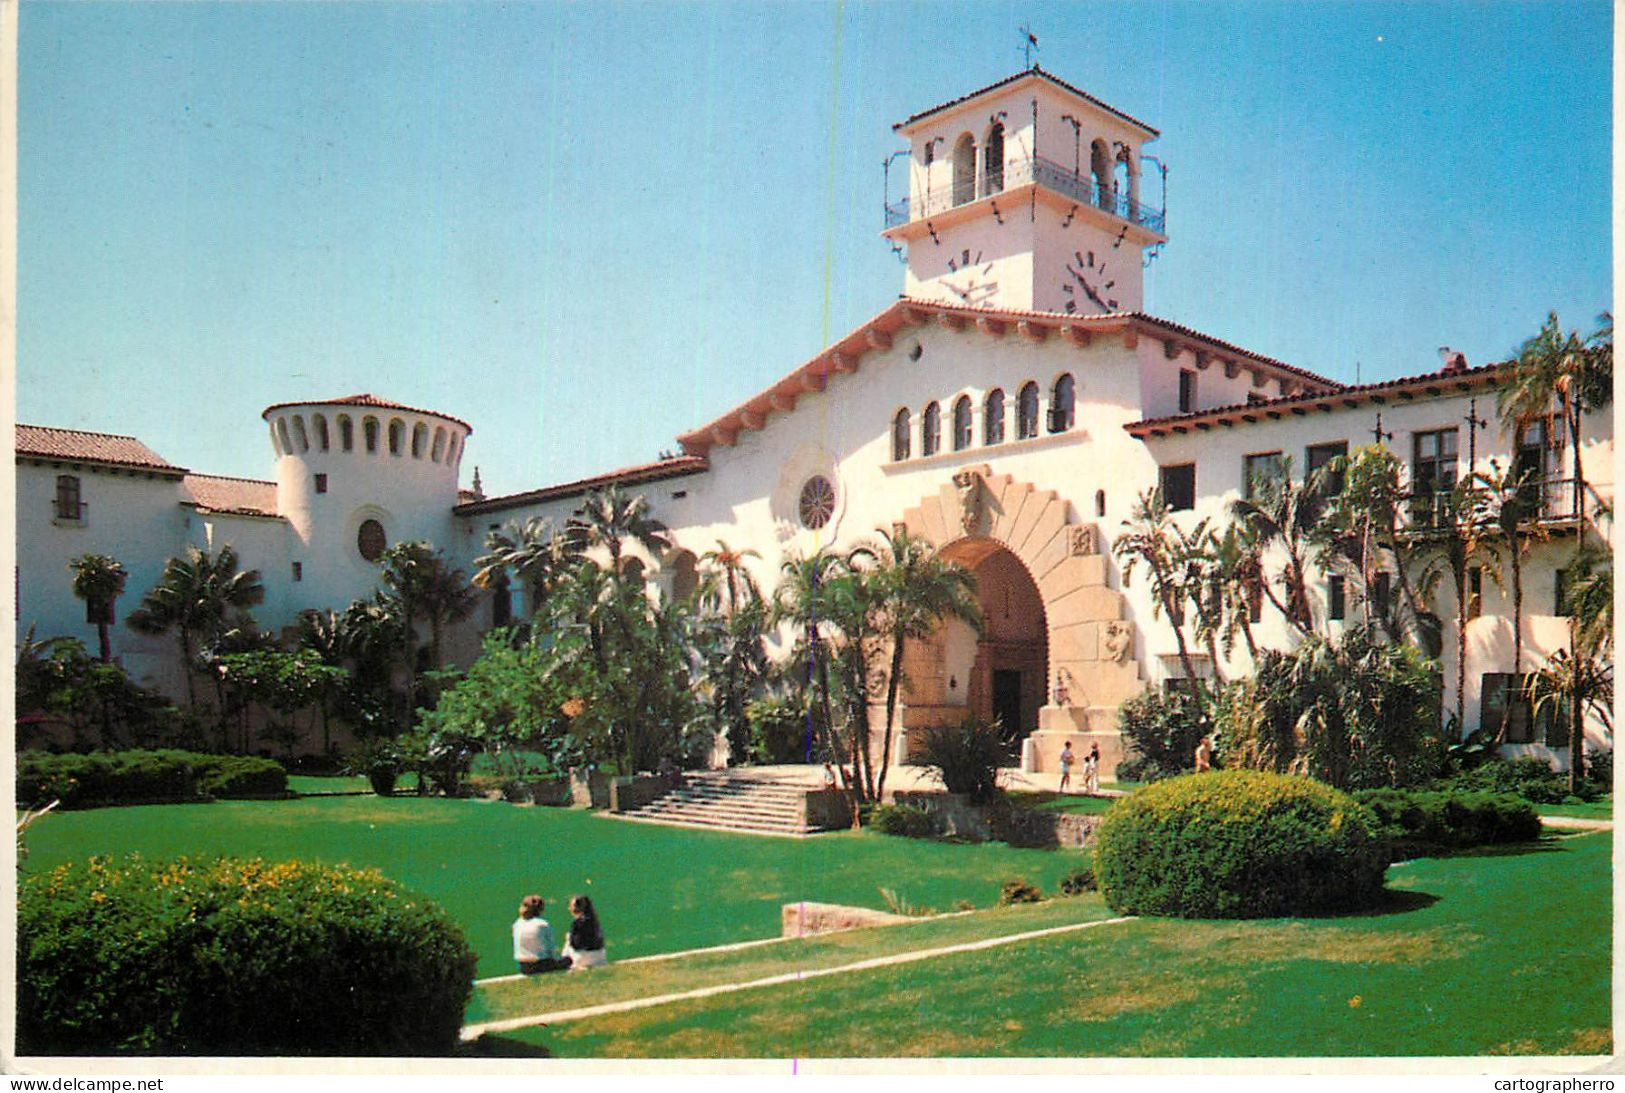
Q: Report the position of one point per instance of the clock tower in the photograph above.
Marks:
(1026, 196)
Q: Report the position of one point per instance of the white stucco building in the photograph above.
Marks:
(1010, 406)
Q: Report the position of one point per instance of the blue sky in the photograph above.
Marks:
(585, 228)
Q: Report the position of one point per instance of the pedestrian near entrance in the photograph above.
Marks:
(1091, 770)
(1204, 754)
(1067, 759)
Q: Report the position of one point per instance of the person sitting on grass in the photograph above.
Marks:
(533, 940)
(584, 945)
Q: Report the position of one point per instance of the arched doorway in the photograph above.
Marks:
(1000, 674)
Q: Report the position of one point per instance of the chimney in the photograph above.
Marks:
(1453, 360)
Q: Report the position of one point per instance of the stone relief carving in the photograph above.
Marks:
(969, 485)
(1115, 641)
(1083, 540)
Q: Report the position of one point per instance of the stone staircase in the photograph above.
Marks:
(731, 801)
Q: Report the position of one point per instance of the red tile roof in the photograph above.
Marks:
(218, 493)
(368, 400)
(674, 467)
(845, 355)
(1446, 381)
(80, 446)
(1035, 71)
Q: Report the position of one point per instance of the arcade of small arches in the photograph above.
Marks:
(290, 436)
(1060, 417)
(978, 170)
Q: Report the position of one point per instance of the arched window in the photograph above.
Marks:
(1027, 412)
(369, 431)
(370, 540)
(900, 427)
(420, 439)
(965, 170)
(685, 576)
(1100, 168)
(439, 448)
(322, 441)
(962, 423)
(282, 434)
(299, 436)
(993, 417)
(397, 436)
(993, 161)
(1123, 184)
(346, 432)
(453, 449)
(931, 430)
(276, 445)
(1060, 405)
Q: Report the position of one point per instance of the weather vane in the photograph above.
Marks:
(1379, 434)
(1029, 43)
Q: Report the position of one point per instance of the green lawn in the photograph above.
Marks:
(325, 783)
(1600, 809)
(658, 889)
(1045, 801)
(1478, 954)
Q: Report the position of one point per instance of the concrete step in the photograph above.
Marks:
(728, 801)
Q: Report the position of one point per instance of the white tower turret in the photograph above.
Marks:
(355, 476)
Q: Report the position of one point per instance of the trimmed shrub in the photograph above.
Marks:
(234, 957)
(1079, 881)
(84, 779)
(1532, 779)
(239, 776)
(1600, 771)
(1238, 844)
(965, 758)
(1163, 729)
(1415, 821)
(1019, 891)
(906, 820)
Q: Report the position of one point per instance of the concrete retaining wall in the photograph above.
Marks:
(954, 816)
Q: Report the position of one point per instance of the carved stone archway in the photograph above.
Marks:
(1091, 647)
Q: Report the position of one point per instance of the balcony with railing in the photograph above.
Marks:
(1070, 183)
(1548, 499)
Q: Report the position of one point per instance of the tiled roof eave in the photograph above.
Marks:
(678, 467)
(845, 355)
(167, 470)
(365, 401)
(1405, 389)
(1016, 78)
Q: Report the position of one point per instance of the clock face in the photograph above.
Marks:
(972, 282)
(1090, 283)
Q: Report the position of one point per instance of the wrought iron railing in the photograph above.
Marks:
(1548, 498)
(1077, 185)
(72, 512)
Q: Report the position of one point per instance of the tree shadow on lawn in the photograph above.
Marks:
(1546, 844)
(497, 1046)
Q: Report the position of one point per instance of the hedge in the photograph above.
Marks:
(1414, 821)
(1238, 844)
(84, 779)
(234, 957)
(1532, 779)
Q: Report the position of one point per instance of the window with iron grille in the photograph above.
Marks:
(962, 423)
(931, 430)
(1433, 475)
(1061, 405)
(1027, 412)
(67, 497)
(1178, 485)
(1187, 390)
(1318, 456)
(993, 417)
(1260, 472)
(1336, 599)
(900, 426)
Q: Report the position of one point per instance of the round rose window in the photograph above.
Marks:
(817, 503)
(369, 540)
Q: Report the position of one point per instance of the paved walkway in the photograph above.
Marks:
(474, 1032)
(1577, 823)
(909, 779)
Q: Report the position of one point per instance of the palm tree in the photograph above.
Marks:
(915, 591)
(1502, 504)
(419, 584)
(728, 565)
(530, 553)
(1451, 548)
(1235, 569)
(1576, 373)
(322, 632)
(197, 596)
(1285, 515)
(608, 517)
(801, 599)
(1152, 539)
(99, 580)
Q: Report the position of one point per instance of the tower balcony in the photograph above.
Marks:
(1036, 170)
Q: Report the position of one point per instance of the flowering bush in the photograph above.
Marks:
(234, 957)
(1238, 844)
